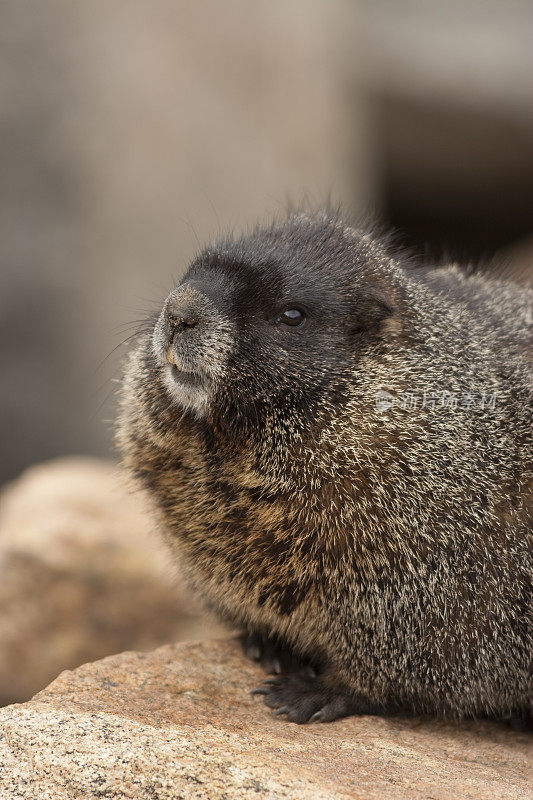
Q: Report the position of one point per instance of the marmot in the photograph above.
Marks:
(339, 445)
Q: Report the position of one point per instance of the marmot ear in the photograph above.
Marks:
(375, 311)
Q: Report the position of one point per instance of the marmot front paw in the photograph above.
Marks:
(305, 698)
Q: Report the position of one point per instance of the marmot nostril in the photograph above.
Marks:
(182, 323)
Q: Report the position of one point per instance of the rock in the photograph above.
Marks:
(82, 575)
(179, 722)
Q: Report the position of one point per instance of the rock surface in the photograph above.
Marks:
(82, 575)
(179, 723)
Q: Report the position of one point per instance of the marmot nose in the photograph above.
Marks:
(183, 310)
(189, 324)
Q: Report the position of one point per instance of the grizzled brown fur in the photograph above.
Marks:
(390, 546)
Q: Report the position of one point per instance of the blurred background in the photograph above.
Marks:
(132, 131)
(131, 134)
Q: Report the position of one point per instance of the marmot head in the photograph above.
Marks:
(279, 318)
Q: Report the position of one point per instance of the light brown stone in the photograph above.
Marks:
(179, 723)
(82, 575)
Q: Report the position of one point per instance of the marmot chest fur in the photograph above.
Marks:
(339, 447)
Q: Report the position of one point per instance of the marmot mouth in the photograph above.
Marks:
(186, 378)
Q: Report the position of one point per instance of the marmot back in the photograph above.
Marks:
(339, 446)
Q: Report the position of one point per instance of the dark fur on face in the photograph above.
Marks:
(391, 547)
(248, 359)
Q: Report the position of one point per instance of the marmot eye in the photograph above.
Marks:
(292, 316)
